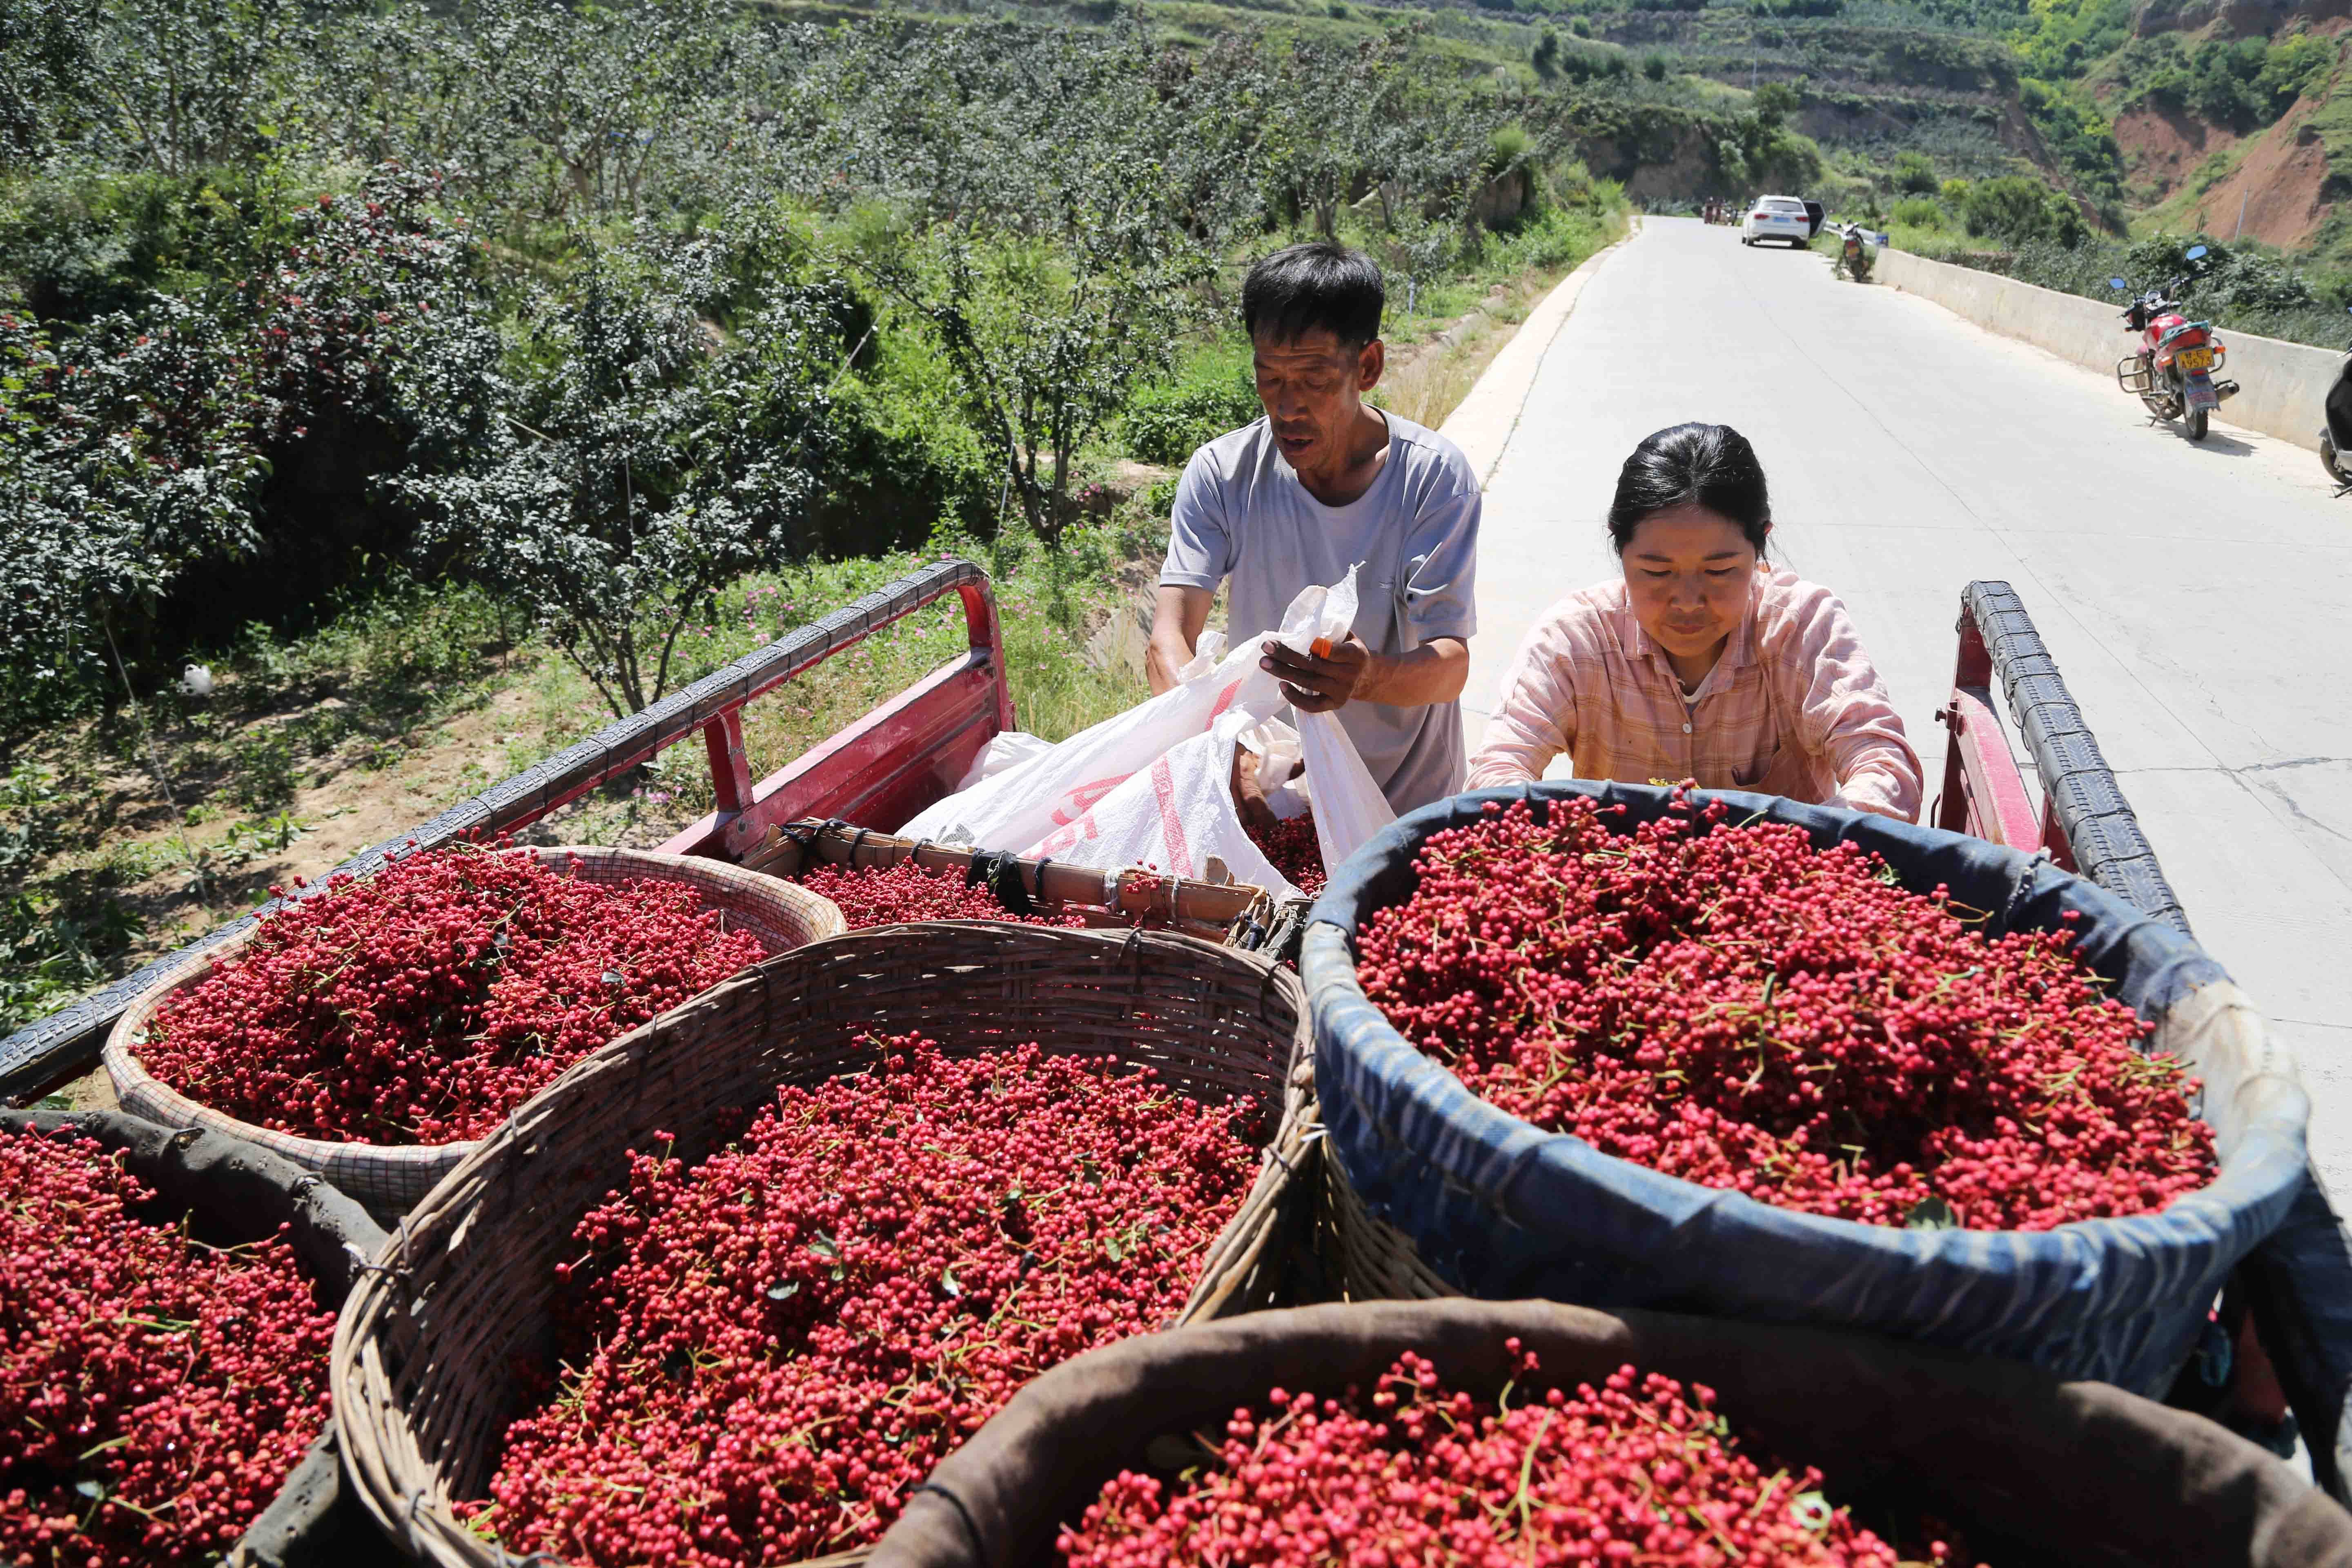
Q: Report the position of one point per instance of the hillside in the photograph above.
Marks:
(1660, 95)
(2230, 118)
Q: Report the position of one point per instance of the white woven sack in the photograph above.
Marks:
(1175, 815)
(1026, 804)
(1008, 750)
(388, 1179)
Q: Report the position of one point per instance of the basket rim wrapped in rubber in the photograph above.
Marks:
(387, 1178)
(1500, 1208)
(238, 1188)
(423, 1362)
(2035, 1472)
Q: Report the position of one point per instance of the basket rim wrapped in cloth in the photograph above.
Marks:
(1500, 1208)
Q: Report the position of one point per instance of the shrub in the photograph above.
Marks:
(2017, 207)
(1164, 425)
(2294, 67)
(1507, 147)
(126, 456)
(1546, 57)
(261, 768)
(1919, 212)
(1653, 66)
(1913, 175)
(2239, 279)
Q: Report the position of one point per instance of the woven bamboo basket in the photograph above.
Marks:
(388, 1179)
(1363, 1257)
(426, 1353)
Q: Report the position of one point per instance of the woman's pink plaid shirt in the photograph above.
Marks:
(1793, 706)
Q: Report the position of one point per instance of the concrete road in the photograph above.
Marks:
(2198, 597)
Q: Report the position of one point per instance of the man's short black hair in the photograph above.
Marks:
(1320, 284)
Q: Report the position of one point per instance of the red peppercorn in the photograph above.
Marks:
(763, 1353)
(1639, 1471)
(155, 1393)
(424, 1003)
(1732, 1006)
(1295, 852)
(879, 895)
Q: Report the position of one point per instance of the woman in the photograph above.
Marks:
(1702, 661)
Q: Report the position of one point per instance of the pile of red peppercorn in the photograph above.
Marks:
(424, 1003)
(764, 1351)
(155, 1393)
(883, 895)
(1632, 1473)
(1292, 846)
(1730, 1005)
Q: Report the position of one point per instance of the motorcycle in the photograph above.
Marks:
(2335, 440)
(1854, 253)
(2173, 372)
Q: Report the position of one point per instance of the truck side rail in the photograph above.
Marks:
(2095, 829)
(2298, 1283)
(64, 1045)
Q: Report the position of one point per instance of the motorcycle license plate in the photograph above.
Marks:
(2194, 359)
(2201, 396)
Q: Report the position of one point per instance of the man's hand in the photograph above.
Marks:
(1315, 684)
(1178, 617)
(1249, 791)
(1249, 794)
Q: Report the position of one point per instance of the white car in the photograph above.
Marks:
(1777, 217)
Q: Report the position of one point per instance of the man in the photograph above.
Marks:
(1326, 481)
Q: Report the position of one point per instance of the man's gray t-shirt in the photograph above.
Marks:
(1242, 513)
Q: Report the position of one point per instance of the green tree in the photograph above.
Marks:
(46, 48)
(2294, 67)
(1546, 57)
(2015, 208)
(644, 466)
(1047, 346)
(1915, 175)
(1773, 103)
(177, 85)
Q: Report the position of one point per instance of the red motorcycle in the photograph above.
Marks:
(2173, 372)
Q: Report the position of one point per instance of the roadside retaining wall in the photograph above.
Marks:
(2284, 382)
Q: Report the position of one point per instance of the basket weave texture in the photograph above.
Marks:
(388, 1179)
(1363, 1257)
(425, 1356)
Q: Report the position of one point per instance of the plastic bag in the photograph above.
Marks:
(1027, 803)
(1175, 815)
